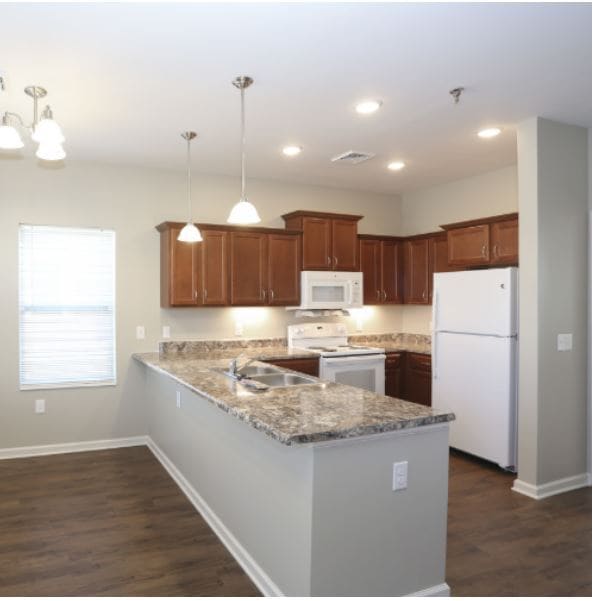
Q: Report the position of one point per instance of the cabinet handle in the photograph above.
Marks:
(262, 294)
(484, 248)
(424, 294)
(377, 294)
(195, 294)
(495, 251)
(385, 294)
(336, 261)
(204, 294)
(272, 294)
(328, 261)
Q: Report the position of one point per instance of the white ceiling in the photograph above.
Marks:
(125, 79)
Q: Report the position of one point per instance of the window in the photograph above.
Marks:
(66, 307)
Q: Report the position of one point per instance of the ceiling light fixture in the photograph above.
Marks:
(45, 131)
(490, 132)
(396, 165)
(189, 233)
(243, 212)
(367, 107)
(292, 151)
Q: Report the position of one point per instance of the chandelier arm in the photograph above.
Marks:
(189, 181)
(243, 146)
(18, 118)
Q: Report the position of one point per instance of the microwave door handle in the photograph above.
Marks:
(350, 286)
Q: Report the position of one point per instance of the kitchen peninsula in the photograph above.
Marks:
(298, 481)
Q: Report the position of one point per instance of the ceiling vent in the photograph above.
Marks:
(353, 157)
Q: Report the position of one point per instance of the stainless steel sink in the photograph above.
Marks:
(282, 379)
(256, 370)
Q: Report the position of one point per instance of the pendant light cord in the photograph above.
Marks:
(243, 147)
(189, 181)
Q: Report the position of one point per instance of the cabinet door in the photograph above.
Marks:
(416, 271)
(469, 245)
(214, 271)
(283, 269)
(392, 382)
(418, 379)
(369, 254)
(344, 245)
(179, 263)
(390, 272)
(438, 250)
(306, 366)
(248, 268)
(317, 243)
(504, 238)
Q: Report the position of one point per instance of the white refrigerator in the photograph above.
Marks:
(474, 360)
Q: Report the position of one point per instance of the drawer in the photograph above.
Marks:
(393, 360)
(420, 361)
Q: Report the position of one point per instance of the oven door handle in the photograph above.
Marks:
(352, 360)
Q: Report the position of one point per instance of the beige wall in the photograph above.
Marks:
(132, 201)
(553, 289)
(424, 210)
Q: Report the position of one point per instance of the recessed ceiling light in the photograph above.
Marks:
(396, 165)
(490, 132)
(367, 107)
(291, 151)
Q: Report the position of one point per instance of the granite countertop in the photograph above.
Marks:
(301, 414)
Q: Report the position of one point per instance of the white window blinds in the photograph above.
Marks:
(66, 306)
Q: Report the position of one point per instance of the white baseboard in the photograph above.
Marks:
(440, 590)
(555, 487)
(72, 447)
(258, 576)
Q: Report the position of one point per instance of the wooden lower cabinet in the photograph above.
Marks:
(418, 379)
(305, 366)
(393, 371)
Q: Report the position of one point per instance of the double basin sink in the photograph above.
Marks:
(265, 377)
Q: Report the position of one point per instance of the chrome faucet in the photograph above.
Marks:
(236, 365)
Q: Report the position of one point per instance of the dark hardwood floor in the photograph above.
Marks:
(503, 543)
(114, 523)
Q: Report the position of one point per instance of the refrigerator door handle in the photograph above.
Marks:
(434, 356)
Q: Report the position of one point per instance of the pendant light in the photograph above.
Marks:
(243, 212)
(189, 233)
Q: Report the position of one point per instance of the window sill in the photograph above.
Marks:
(68, 385)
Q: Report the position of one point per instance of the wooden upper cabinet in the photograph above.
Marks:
(344, 245)
(317, 243)
(391, 288)
(504, 241)
(248, 268)
(329, 239)
(438, 256)
(469, 245)
(416, 271)
(179, 267)
(369, 257)
(213, 288)
(483, 242)
(380, 265)
(283, 269)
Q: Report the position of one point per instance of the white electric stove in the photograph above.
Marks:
(360, 366)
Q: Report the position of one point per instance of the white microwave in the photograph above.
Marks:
(331, 290)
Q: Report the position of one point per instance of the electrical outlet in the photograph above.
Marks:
(564, 342)
(140, 332)
(239, 328)
(400, 470)
(165, 332)
(39, 405)
(178, 399)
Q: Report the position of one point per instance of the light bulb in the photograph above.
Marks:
(367, 107)
(50, 152)
(292, 151)
(48, 131)
(189, 233)
(396, 165)
(243, 213)
(490, 132)
(9, 138)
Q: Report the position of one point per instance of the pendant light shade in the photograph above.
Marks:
(47, 131)
(9, 136)
(189, 233)
(243, 212)
(50, 151)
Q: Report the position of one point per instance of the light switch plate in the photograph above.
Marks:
(400, 475)
(166, 332)
(140, 332)
(39, 405)
(564, 342)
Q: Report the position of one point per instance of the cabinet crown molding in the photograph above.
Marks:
(168, 225)
(482, 221)
(321, 215)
